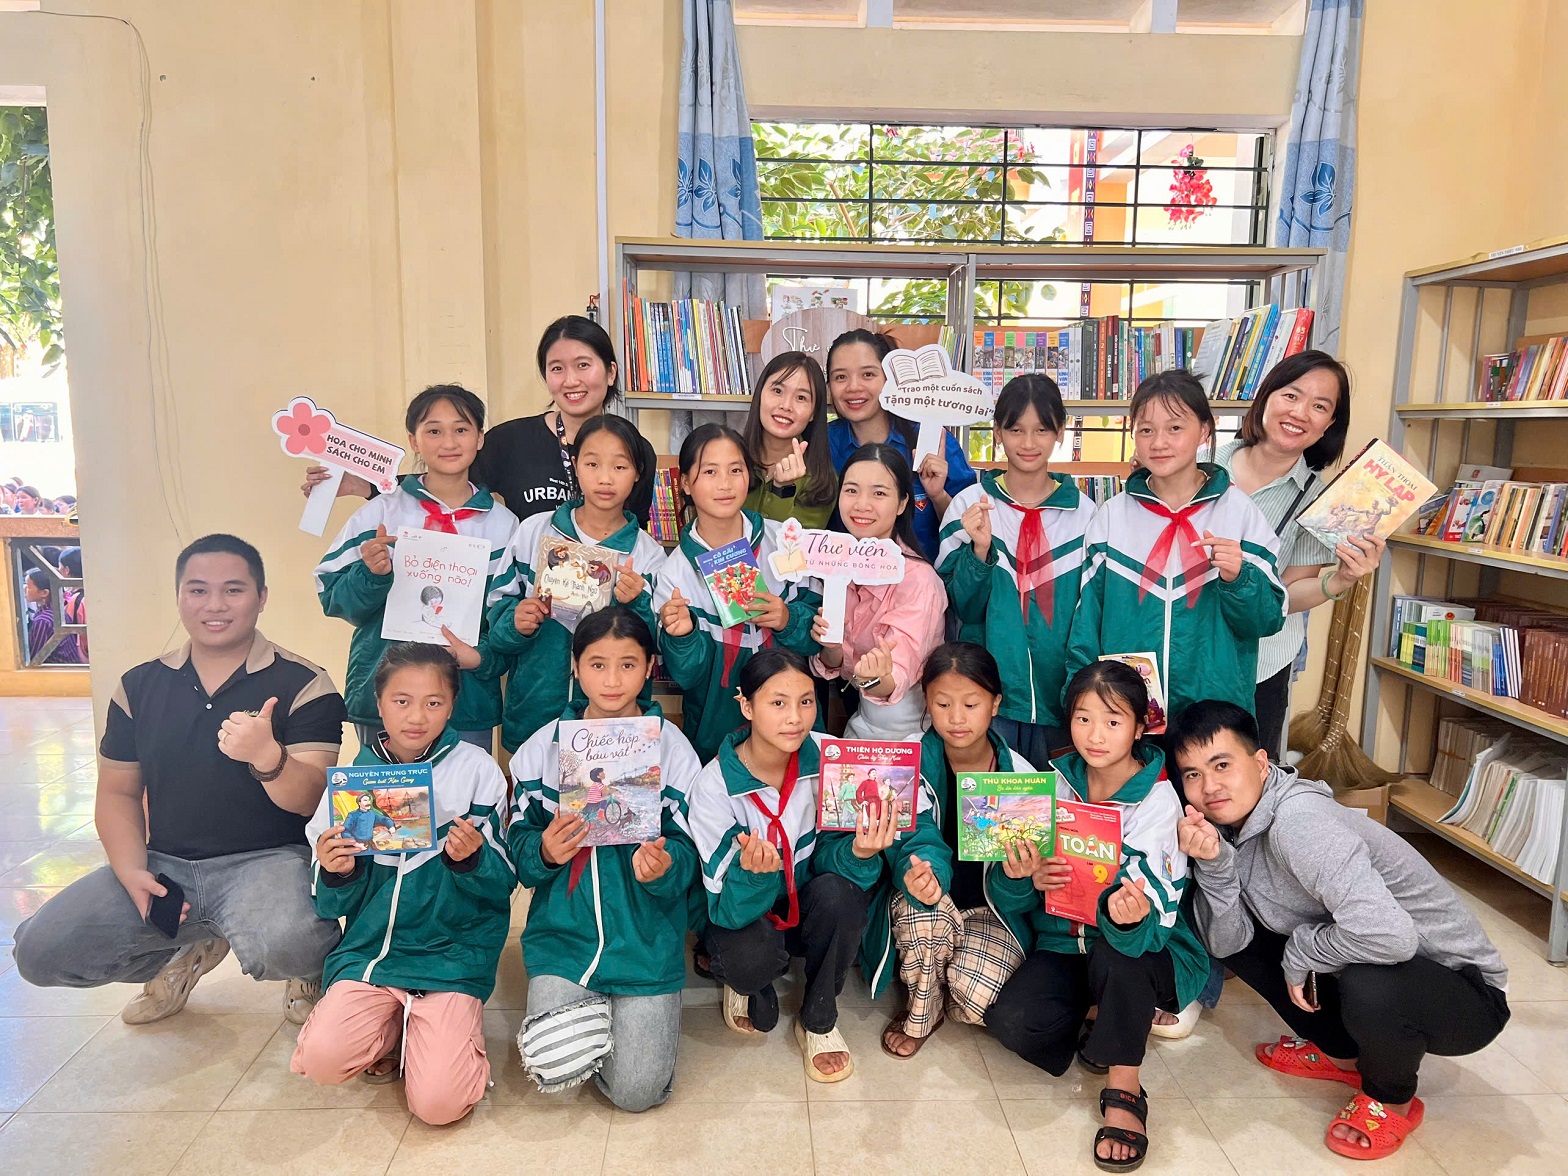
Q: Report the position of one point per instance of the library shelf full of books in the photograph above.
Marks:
(1467, 678)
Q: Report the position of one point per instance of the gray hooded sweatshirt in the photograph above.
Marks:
(1344, 889)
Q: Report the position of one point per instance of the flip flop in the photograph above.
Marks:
(899, 1025)
(814, 1045)
(1299, 1058)
(1386, 1129)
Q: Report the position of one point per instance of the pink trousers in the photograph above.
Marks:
(444, 1067)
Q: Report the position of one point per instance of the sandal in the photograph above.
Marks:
(1083, 1036)
(738, 1005)
(899, 1025)
(1385, 1129)
(1299, 1058)
(814, 1045)
(1181, 1027)
(1136, 1104)
(381, 1071)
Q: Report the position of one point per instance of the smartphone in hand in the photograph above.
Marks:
(1310, 990)
(164, 913)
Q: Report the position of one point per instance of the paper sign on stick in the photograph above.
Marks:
(923, 387)
(304, 430)
(838, 560)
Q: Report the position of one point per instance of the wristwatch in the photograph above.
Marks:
(865, 684)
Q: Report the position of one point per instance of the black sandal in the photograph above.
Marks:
(1136, 1104)
(1083, 1036)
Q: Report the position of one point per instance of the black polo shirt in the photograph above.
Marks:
(201, 803)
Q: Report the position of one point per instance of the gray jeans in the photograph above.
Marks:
(644, 1031)
(91, 934)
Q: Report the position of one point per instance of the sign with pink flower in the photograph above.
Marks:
(838, 560)
(306, 430)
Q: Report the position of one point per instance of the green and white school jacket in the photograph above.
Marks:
(421, 921)
(722, 808)
(539, 667)
(608, 932)
(706, 663)
(1207, 649)
(349, 590)
(1032, 654)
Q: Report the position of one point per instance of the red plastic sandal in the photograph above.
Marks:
(1385, 1129)
(1299, 1058)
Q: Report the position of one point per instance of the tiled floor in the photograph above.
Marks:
(209, 1091)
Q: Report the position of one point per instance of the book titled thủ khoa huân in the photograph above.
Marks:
(998, 809)
(1375, 493)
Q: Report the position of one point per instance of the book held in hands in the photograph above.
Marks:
(1089, 836)
(384, 808)
(731, 574)
(574, 579)
(437, 579)
(609, 776)
(862, 775)
(1375, 492)
(999, 809)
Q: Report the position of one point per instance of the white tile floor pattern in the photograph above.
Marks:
(209, 1090)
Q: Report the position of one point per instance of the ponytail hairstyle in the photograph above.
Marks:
(1116, 684)
(883, 343)
(967, 660)
(615, 621)
(417, 653)
(695, 445)
(579, 329)
(1177, 390)
(770, 661)
(622, 430)
(821, 481)
(465, 403)
(893, 461)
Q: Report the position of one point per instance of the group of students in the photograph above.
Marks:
(17, 497)
(48, 610)
(988, 652)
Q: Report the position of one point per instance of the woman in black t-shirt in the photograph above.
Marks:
(527, 461)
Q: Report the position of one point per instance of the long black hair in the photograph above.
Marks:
(821, 481)
(893, 462)
(465, 403)
(692, 449)
(883, 344)
(1176, 390)
(1037, 392)
(1116, 684)
(769, 661)
(1327, 449)
(579, 329)
(615, 621)
(417, 653)
(967, 660)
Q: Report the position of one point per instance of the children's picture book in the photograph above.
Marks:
(437, 579)
(1148, 668)
(574, 579)
(861, 774)
(1375, 492)
(610, 778)
(1089, 836)
(998, 809)
(384, 808)
(731, 574)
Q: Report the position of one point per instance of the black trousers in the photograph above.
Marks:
(1271, 707)
(1387, 1017)
(833, 913)
(1039, 1011)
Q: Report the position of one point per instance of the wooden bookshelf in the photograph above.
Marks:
(1425, 805)
(1510, 709)
(1479, 553)
(1484, 410)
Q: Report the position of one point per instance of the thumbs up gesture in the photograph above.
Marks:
(977, 525)
(675, 616)
(792, 467)
(377, 552)
(248, 738)
(920, 882)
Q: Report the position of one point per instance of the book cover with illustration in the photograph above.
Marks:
(731, 575)
(1089, 836)
(997, 809)
(1375, 493)
(437, 579)
(609, 776)
(1148, 668)
(574, 579)
(866, 774)
(384, 808)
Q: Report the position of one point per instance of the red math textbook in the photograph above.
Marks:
(1089, 836)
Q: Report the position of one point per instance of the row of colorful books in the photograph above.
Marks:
(1537, 369)
(1490, 509)
(1099, 487)
(664, 520)
(1094, 359)
(1511, 795)
(687, 348)
(1504, 648)
(1234, 354)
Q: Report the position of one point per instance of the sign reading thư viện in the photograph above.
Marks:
(923, 387)
(307, 430)
(838, 560)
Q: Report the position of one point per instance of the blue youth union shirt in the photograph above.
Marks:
(928, 524)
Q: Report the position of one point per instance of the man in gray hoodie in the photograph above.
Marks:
(1361, 947)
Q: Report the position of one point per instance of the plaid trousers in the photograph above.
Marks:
(969, 954)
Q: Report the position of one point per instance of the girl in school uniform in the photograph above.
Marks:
(889, 629)
(773, 884)
(1139, 954)
(606, 928)
(955, 951)
(702, 657)
(423, 932)
(855, 379)
(445, 431)
(1012, 555)
(786, 434)
(523, 639)
(1181, 564)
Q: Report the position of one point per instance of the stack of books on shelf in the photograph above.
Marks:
(1094, 359)
(1234, 355)
(1536, 370)
(664, 520)
(1504, 648)
(688, 348)
(1459, 741)
(1512, 799)
(1483, 506)
(1099, 487)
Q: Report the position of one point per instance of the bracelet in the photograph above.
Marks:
(1323, 584)
(269, 777)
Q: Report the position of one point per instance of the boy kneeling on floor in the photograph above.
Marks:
(1364, 951)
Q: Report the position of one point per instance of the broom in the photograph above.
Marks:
(1338, 758)
(1307, 730)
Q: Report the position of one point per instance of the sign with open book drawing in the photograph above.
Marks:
(437, 580)
(923, 387)
(306, 430)
(838, 560)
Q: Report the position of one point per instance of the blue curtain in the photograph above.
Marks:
(716, 186)
(1320, 162)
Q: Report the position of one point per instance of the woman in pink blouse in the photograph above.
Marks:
(889, 629)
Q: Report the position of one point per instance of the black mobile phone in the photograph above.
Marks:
(164, 913)
(1310, 990)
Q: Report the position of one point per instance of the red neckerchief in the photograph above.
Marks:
(438, 518)
(780, 838)
(579, 860)
(1034, 562)
(1193, 561)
